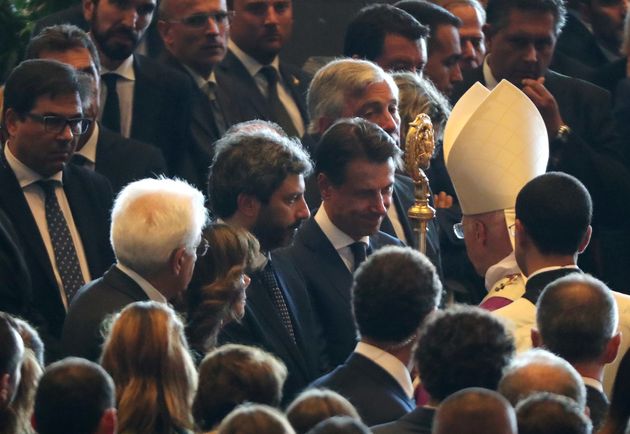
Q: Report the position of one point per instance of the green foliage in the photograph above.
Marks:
(17, 18)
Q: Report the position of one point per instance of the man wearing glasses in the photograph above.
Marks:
(195, 34)
(59, 211)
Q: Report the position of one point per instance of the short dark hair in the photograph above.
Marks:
(548, 413)
(576, 317)
(463, 346)
(394, 282)
(231, 375)
(555, 209)
(35, 78)
(340, 425)
(365, 35)
(498, 12)
(430, 15)
(10, 345)
(352, 139)
(72, 396)
(255, 163)
(315, 405)
(61, 38)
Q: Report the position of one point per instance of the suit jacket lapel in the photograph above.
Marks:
(246, 84)
(296, 87)
(144, 106)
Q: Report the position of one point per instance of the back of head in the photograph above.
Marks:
(340, 425)
(475, 411)
(462, 347)
(555, 209)
(153, 217)
(394, 282)
(353, 139)
(337, 81)
(61, 38)
(233, 374)
(147, 355)
(429, 14)
(498, 12)
(237, 167)
(365, 35)
(37, 78)
(315, 405)
(11, 355)
(576, 317)
(539, 370)
(548, 413)
(255, 418)
(72, 396)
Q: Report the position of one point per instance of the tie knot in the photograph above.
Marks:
(110, 79)
(270, 74)
(359, 251)
(48, 185)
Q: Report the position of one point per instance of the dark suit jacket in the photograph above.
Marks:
(90, 199)
(328, 282)
(537, 283)
(93, 303)
(419, 421)
(15, 290)
(376, 395)
(161, 112)
(123, 160)
(246, 101)
(262, 327)
(598, 405)
(577, 42)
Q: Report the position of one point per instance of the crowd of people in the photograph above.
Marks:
(198, 236)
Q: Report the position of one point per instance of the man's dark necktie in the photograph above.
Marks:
(217, 113)
(359, 251)
(111, 111)
(270, 281)
(278, 112)
(65, 253)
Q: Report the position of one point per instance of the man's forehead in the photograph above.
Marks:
(518, 19)
(375, 93)
(183, 6)
(131, 3)
(79, 58)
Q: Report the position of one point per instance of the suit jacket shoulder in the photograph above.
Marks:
(82, 331)
(418, 421)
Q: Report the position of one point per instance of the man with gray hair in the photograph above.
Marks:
(156, 237)
(577, 320)
(539, 370)
(256, 182)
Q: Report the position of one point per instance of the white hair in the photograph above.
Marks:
(153, 217)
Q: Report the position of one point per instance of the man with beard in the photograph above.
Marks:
(259, 84)
(256, 182)
(141, 98)
(355, 168)
(60, 211)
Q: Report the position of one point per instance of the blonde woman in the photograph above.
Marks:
(147, 356)
(216, 294)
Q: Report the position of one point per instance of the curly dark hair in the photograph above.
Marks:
(463, 346)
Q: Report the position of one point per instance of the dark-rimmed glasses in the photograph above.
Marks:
(56, 124)
(200, 21)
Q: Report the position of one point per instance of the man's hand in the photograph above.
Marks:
(546, 104)
(442, 200)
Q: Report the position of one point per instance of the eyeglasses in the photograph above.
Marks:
(202, 248)
(56, 124)
(200, 21)
(458, 229)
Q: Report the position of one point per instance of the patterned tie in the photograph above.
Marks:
(65, 252)
(270, 281)
(278, 112)
(217, 113)
(359, 251)
(111, 111)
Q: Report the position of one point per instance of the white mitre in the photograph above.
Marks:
(494, 143)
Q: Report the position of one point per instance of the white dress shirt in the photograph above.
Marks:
(148, 289)
(389, 363)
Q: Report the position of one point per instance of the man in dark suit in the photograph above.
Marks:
(394, 282)
(355, 164)
(151, 265)
(143, 99)
(195, 35)
(59, 211)
(582, 136)
(16, 289)
(266, 197)
(261, 86)
(119, 159)
(449, 361)
(577, 320)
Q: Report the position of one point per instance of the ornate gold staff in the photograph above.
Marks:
(419, 146)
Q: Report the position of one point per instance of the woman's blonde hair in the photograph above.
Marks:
(216, 285)
(147, 356)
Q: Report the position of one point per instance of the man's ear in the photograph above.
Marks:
(5, 390)
(108, 422)
(612, 348)
(248, 205)
(325, 186)
(586, 239)
(88, 9)
(10, 121)
(479, 231)
(536, 339)
(176, 261)
(488, 33)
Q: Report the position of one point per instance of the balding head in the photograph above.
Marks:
(475, 411)
(548, 413)
(541, 371)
